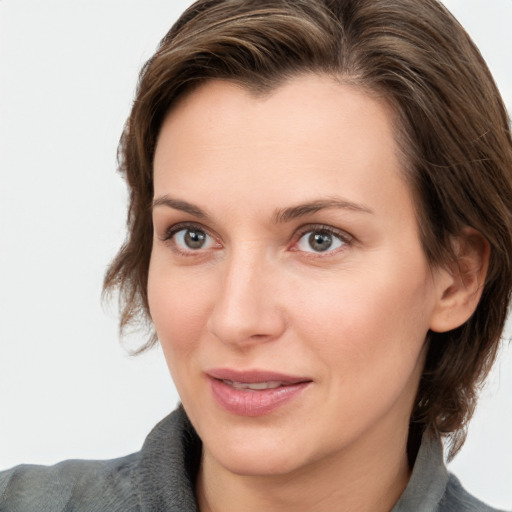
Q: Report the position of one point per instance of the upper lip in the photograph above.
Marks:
(254, 376)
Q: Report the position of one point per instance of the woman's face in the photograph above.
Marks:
(287, 282)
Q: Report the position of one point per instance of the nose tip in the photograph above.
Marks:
(246, 310)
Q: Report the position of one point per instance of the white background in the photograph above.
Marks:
(68, 70)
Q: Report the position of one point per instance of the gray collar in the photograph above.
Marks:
(168, 467)
(428, 481)
(172, 451)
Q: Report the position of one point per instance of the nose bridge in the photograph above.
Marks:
(246, 307)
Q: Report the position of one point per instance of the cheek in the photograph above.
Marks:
(374, 320)
(178, 310)
(367, 335)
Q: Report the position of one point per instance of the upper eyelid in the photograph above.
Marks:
(344, 235)
(179, 226)
(169, 240)
(346, 239)
(299, 232)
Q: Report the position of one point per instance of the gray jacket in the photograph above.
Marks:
(160, 478)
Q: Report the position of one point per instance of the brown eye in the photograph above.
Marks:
(192, 239)
(320, 240)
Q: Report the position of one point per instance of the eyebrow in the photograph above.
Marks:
(293, 212)
(178, 204)
(281, 215)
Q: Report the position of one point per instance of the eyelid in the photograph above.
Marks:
(345, 237)
(175, 228)
(172, 230)
(342, 235)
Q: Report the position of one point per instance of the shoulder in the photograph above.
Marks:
(432, 488)
(159, 477)
(457, 499)
(85, 486)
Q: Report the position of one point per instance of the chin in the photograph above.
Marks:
(258, 460)
(263, 451)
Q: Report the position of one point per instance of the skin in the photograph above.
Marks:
(257, 295)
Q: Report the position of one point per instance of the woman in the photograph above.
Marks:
(324, 338)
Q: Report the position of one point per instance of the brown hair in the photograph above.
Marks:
(451, 125)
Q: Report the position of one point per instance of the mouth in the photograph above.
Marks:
(253, 386)
(255, 392)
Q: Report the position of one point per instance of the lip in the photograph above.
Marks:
(247, 402)
(253, 376)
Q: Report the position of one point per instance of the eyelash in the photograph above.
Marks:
(176, 228)
(342, 236)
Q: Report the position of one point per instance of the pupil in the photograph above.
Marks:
(195, 239)
(320, 241)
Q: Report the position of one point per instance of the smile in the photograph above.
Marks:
(254, 393)
(254, 386)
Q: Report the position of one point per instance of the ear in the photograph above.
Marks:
(459, 284)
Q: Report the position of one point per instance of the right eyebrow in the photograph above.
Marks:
(294, 212)
(178, 204)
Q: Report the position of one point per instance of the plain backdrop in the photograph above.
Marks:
(68, 70)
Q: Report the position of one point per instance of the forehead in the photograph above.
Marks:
(310, 136)
(320, 98)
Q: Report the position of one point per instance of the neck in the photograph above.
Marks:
(367, 477)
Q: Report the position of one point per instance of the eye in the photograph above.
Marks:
(190, 238)
(321, 240)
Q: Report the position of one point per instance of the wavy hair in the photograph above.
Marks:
(451, 126)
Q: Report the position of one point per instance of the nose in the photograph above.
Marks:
(247, 309)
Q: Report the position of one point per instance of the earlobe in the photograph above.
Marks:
(459, 284)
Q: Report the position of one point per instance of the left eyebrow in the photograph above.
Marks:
(178, 204)
(300, 210)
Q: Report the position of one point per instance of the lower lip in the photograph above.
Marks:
(246, 402)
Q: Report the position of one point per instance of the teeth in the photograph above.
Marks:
(255, 386)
